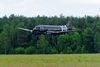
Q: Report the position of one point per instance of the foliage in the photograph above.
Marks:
(30, 50)
(13, 40)
(20, 50)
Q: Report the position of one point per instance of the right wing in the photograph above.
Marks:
(56, 32)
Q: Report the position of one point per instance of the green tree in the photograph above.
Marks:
(43, 45)
(5, 38)
(97, 42)
(30, 50)
(88, 40)
(69, 43)
(20, 50)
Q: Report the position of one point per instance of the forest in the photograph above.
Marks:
(15, 41)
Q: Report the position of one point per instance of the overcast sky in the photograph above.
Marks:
(50, 7)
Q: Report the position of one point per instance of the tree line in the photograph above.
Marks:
(15, 41)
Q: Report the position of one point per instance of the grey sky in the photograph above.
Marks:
(50, 7)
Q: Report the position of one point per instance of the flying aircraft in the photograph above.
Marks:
(51, 29)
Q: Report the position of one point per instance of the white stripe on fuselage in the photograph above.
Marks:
(61, 28)
(64, 28)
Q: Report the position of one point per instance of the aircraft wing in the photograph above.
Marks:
(60, 32)
(25, 29)
(55, 32)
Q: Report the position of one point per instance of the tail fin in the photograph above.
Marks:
(25, 29)
(69, 19)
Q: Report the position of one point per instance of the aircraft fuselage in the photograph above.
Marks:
(49, 29)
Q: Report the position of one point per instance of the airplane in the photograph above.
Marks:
(51, 29)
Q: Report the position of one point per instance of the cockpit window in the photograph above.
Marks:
(37, 28)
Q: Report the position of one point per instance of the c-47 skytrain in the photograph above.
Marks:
(51, 29)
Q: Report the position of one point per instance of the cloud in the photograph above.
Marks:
(49, 7)
(24, 7)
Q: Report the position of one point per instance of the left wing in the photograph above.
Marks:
(25, 29)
